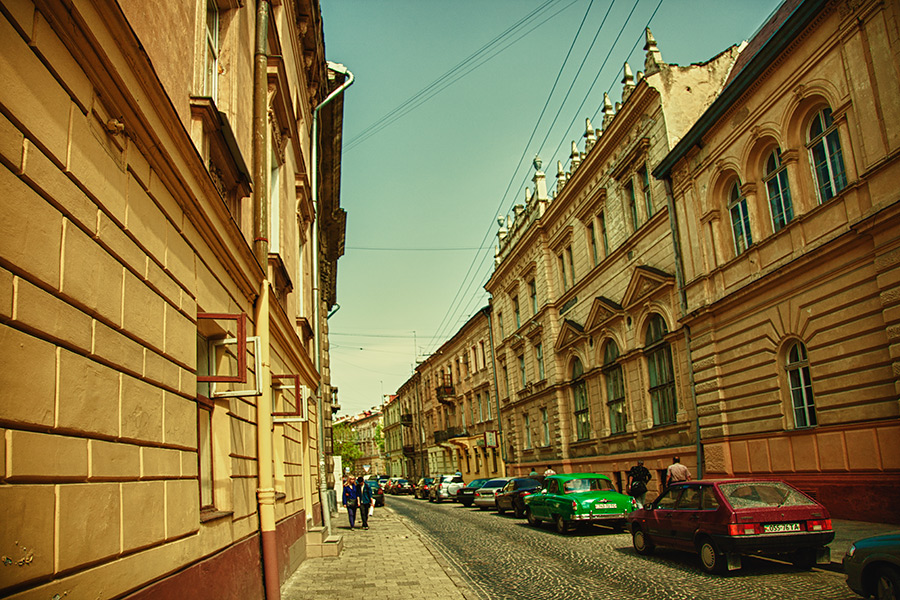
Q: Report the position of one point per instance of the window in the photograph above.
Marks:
(516, 310)
(527, 425)
(523, 380)
(571, 264)
(801, 386)
(826, 156)
(661, 373)
(500, 323)
(545, 419)
(644, 178)
(779, 193)
(205, 448)
(562, 272)
(274, 201)
(740, 219)
(631, 203)
(579, 396)
(487, 401)
(603, 237)
(480, 403)
(532, 290)
(211, 60)
(539, 357)
(472, 409)
(481, 359)
(592, 239)
(505, 380)
(615, 389)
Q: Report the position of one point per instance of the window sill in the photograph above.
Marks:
(207, 516)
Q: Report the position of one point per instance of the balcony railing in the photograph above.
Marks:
(406, 419)
(442, 435)
(409, 450)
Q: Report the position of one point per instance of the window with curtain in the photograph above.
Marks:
(615, 389)
(580, 401)
(661, 372)
(826, 156)
(740, 219)
(802, 400)
(779, 192)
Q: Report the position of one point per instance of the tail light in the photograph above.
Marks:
(820, 525)
(744, 529)
(574, 505)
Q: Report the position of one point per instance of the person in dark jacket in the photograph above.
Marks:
(350, 499)
(365, 500)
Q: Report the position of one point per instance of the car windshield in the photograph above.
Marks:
(494, 483)
(402, 481)
(478, 483)
(755, 494)
(587, 485)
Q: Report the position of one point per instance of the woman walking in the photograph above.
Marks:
(350, 499)
(365, 500)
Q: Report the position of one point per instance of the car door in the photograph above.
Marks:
(539, 504)
(503, 495)
(659, 520)
(686, 517)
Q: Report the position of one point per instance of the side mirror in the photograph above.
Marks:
(648, 507)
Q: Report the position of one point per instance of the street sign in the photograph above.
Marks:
(366, 468)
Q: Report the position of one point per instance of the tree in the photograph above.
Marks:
(379, 439)
(345, 445)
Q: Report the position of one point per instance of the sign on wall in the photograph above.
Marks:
(490, 439)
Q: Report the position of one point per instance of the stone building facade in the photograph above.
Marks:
(164, 221)
(590, 354)
(788, 212)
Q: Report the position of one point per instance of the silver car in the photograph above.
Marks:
(485, 496)
(445, 488)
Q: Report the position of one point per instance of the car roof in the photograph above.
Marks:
(570, 476)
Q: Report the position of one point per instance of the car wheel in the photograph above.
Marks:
(561, 525)
(518, 511)
(437, 498)
(465, 503)
(500, 509)
(710, 558)
(887, 583)
(805, 559)
(482, 508)
(532, 520)
(641, 544)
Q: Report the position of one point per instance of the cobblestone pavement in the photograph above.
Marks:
(502, 557)
(389, 561)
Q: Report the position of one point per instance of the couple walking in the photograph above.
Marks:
(357, 494)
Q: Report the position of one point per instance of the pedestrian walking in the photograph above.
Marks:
(533, 472)
(549, 471)
(350, 499)
(365, 500)
(677, 472)
(638, 477)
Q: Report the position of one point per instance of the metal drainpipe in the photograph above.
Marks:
(314, 184)
(679, 278)
(496, 386)
(265, 493)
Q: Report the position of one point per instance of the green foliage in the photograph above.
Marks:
(379, 439)
(345, 445)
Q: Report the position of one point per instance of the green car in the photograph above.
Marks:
(570, 500)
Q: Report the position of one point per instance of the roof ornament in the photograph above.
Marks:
(574, 157)
(560, 176)
(607, 111)
(627, 83)
(590, 136)
(654, 60)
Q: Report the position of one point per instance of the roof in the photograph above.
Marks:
(770, 41)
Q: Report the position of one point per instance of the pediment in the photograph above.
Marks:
(602, 310)
(570, 333)
(645, 281)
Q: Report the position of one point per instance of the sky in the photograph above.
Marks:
(451, 102)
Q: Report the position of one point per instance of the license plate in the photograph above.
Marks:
(605, 506)
(781, 527)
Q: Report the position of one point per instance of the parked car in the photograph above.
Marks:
(872, 566)
(402, 486)
(485, 496)
(382, 479)
(377, 492)
(721, 520)
(466, 494)
(578, 498)
(445, 488)
(512, 496)
(389, 485)
(422, 488)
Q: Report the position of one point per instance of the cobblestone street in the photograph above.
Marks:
(502, 557)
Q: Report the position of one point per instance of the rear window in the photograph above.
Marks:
(478, 483)
(402, 481)
(758, 494)
(494, 483)
(587, 485)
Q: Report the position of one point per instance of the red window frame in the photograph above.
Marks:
(297, 394)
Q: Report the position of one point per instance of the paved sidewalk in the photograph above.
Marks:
(387, 562)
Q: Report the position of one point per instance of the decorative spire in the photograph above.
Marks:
(607, 111)
(560, 176)
(654, 58)
(590, 137)
(639, 77)
(539, 179)
(574, 158)
(627, 83)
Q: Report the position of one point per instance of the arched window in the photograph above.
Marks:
(661, 373)
(615, 389)
(740, 219)
(826, 156)
(579, 395)
(778, 190)
(802, 400)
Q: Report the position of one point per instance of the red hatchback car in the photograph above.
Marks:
(726, 518)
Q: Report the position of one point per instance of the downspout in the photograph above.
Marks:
(265, 492)
(496, 386)
(314, 184)
(679, 278)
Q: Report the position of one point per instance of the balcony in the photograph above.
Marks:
(409, 450)
(444, 391)
(406, 419)
(443, 435)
